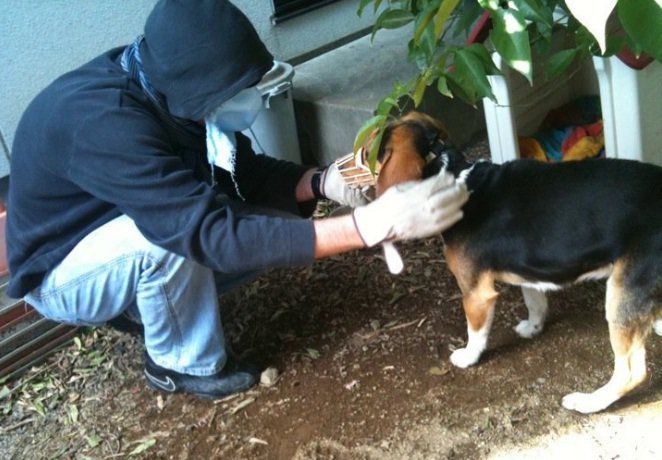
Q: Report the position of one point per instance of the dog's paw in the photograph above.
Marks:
(527, 329)
(463, 357)
(586, 403)
(657, 327)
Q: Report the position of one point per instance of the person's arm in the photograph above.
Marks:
(304, 189)
(406, 211)
(335, 235)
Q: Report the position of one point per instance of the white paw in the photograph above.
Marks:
(527, 329)
(463, 357)
(657, 327)
(586, 403)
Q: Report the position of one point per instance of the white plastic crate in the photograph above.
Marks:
(630, 100)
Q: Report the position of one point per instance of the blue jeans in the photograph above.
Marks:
(116, 270)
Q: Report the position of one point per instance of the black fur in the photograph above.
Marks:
(555, 222)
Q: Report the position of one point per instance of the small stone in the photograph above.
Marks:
(269, 377)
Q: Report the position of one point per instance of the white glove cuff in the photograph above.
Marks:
(371, 232)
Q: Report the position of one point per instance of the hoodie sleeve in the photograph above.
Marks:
(266, 181)
(138, 172)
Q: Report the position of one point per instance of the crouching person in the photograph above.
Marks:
(118, 207)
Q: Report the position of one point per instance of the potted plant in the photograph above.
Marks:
(520, 30)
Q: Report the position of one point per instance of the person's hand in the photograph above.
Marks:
(412, 210)
(332, 186)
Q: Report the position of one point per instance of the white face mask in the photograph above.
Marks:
(239, 112)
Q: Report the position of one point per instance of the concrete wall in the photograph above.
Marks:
(41, 39)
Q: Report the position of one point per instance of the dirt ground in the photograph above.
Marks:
(364, 374)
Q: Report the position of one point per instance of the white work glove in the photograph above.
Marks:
(412, 210)
(332, 186)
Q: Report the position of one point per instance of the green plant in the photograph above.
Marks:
(518, 27)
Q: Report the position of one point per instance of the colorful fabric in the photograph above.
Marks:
(570, 132)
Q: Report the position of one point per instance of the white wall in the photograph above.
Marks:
(41, 39)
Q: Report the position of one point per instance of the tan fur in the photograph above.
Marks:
(401, 162)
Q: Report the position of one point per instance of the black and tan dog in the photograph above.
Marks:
(544, 226)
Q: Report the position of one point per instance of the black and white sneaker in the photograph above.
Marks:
(235, 377)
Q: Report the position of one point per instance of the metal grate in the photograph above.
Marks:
(286, 9)
(26, 337)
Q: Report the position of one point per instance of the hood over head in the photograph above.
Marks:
(200, 53)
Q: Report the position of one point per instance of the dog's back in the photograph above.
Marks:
(556, 222)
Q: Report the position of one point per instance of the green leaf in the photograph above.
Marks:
(362, 6)
(143, 446)
(386, 105)
(469, 68)
(367, 128)
(419, 56)
(422, 22)
(559, 62)
(442, 87)
(468, 15)
(465, 90)
(489, 4)
(642, 20)
(443, 13)
(535, 11)
(312, 353)
(93, 440)
(419, 90)
(392, 19)
(511, 40)
(374, 149)
(73, 413)
(429, 45)
(614, 45)
(479, 50)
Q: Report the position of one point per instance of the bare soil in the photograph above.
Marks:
(364, 373)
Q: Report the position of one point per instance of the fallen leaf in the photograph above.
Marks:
(312, 353)
(258, 441)
(73, 413)
(93, 440)
(351, 385)
(143, 446)
(242, 405)
(434, 370)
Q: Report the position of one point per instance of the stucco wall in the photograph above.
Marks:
(42, 39)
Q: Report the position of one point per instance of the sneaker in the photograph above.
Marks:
(235, 377)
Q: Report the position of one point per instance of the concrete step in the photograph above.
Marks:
(336, 92)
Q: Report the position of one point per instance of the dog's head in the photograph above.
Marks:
(415, 147)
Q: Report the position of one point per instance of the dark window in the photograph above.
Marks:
(286, 9)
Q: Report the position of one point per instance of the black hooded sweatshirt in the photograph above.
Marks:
(92, 146)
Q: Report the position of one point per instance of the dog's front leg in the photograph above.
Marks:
(478, 303)
(536, 303)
